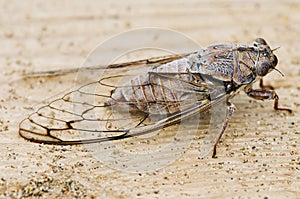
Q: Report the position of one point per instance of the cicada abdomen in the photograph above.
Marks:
(163, 90)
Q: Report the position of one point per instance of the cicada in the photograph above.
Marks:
(173, 89)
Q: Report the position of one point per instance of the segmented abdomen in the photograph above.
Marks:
(163, 90)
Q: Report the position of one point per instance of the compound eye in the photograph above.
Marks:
(261, 41)
(263, 69)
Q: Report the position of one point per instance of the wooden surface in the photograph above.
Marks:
(260, 153)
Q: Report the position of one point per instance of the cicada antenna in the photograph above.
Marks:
(276, 68)
(279, 72)
(275, 49)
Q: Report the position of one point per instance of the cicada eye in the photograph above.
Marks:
(263, 69)
(260, 41)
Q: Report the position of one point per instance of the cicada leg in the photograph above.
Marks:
(266, 92)
(265, 87)
(230, 111)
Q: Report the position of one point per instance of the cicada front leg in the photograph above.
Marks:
(265, 87)
(265, 93)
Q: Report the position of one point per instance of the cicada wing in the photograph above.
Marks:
(83, 111)
(82, 116)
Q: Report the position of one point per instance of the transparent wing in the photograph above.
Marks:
(82, 116)
(82, 112)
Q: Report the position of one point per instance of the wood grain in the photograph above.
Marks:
(260, 153)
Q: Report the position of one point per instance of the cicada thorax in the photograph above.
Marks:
(238, 65)
(244, 62)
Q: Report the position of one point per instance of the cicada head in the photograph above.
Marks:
(266, 60)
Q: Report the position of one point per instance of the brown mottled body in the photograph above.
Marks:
(177, 88)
